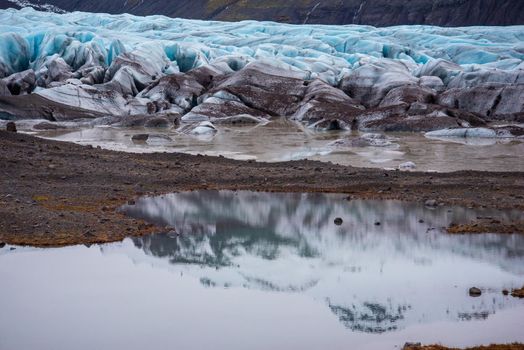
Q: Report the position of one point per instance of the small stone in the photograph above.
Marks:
(11, 127)
(421, 221)
(377, 223)
(338, 221)
(505, 292)
(2, 244)
(131, 202)
(140, 137)
(474, 292)
(430, 203)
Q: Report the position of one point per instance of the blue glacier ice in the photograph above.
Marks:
(28, 38)
(99, 64)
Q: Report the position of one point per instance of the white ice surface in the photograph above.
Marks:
(28, 39)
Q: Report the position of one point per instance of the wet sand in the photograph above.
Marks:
(57, 193)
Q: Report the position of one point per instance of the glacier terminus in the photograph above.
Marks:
(133, 70)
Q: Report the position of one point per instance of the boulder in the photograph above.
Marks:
(10, 127)
(140, 137)
(475, 292)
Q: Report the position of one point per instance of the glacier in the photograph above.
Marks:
(405, 78)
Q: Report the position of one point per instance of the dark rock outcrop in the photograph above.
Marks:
(371, 12)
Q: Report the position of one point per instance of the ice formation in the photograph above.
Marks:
(415, 78)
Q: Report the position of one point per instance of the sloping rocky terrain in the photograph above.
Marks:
(371, 12)
(158, 71)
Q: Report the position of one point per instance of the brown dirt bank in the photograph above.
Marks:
(55, 193)
(518, 293)
(488, 347)
(487, 226)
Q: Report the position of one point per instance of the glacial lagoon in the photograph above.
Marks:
(282, 140)
(267, 270)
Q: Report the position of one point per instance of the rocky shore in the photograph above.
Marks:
(56, 193)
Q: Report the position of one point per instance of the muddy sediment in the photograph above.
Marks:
(56, 193)
(487, 226)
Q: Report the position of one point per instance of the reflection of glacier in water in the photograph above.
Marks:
(388, 266)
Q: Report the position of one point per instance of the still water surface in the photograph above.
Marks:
(282, 140)
(241, 270)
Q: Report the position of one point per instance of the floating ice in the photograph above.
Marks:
(500, 132)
